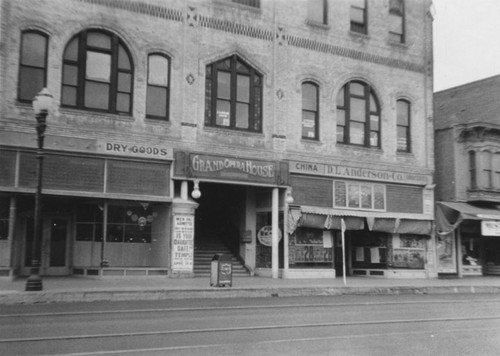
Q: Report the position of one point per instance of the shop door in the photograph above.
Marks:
(54, 246)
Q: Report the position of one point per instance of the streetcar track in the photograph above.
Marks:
(245, 328)
(239, 307)
(276, 341)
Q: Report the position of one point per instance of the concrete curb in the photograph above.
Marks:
(163, 294)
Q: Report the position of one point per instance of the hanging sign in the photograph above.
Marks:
(183, 243)
(490, 228)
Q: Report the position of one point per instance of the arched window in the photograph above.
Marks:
(233, 95)
(157, 99)
(310, 112)
(472, 169)
(97, 73)
(33, 65)
(358, 115)
(403, 125)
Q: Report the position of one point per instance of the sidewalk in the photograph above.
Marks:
(81, 289)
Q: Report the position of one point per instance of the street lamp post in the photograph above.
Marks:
(41, 106)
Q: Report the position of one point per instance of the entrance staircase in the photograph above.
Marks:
(205, 250)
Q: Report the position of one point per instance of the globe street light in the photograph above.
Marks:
(42, 103)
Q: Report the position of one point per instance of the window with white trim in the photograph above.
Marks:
(357, 195)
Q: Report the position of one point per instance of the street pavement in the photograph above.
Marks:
(88, 289)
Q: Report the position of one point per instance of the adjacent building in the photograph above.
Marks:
(289, 131)
(467, 124)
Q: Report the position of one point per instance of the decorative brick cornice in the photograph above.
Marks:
(239, 29)
(141, 8)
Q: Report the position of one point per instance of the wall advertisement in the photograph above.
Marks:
(183, 243)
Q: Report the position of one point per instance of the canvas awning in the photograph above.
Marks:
(450, 214)
(330, 219)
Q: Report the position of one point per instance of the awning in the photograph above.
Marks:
(330, 219)
(450, 214)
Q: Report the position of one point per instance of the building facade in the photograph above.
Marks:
(288, 130)
(467, 124)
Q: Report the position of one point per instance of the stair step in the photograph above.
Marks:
(204, 253)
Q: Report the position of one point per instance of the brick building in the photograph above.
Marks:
(291, 118)
(467, 124)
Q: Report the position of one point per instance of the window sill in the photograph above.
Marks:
(402, 45)
(316, 24)
(359, 35)
(228, 131)
(310, 141)
(404, 153)
(234, 5)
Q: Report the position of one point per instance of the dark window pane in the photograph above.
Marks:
(96, 39)
(33, 50)
(71, 52)
(241, 67)
(123, 102)
(115, 233)
(156, 102)
(116, 214)
(70, 75)
(124, 82)
(243, 88)
(223, 85)
(242, 116)
(31, 81)
(158, 71)
(222, 118)
(84, 231)
(68, 96)
(96, 95)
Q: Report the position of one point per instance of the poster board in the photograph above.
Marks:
(183, 243)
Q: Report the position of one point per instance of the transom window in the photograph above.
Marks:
(358, 15)
(33, 65)
(233, 95)
(396, 20)
(310, 111)
(317, 11)
(356, 195)
(97, 73)
(358, 115)
(403, 124)
(157, 98)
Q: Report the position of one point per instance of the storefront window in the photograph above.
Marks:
(264, 240)
(410, 252)
(311, 248)
(4, 218)
(369, 250)
(89, 222)
(129, 224)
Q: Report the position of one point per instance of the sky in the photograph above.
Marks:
(466, 41)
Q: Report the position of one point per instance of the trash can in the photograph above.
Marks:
(221, 271)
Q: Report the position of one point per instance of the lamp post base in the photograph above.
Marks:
(34, 282)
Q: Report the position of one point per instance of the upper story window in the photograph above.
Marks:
(403, 125)
(33, 65)
(358, 115)
(317, 11)
(233, 95)
(252, 3)
(487, 180)
(358, 195)
(97, 73)
(158, 92)
(310, 112)
(496, 170)
(396, 20)
(472, 169)
(359, 16)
